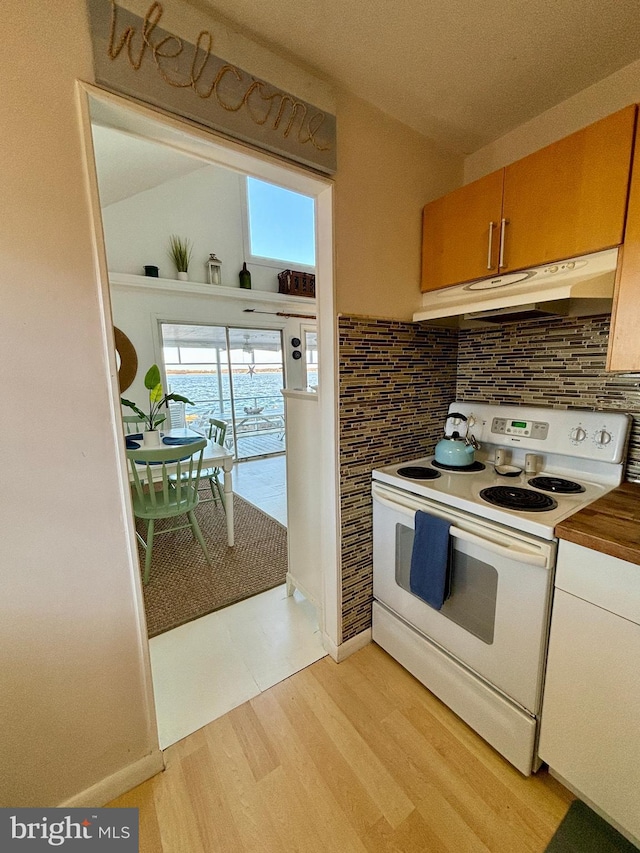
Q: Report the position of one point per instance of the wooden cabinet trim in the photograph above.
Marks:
(624, 337)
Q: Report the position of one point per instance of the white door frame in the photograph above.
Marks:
(96, 104)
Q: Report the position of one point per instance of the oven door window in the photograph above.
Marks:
(473, 583)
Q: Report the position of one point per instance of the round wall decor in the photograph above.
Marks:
(127, 359)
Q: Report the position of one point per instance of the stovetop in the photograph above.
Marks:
(568, 445)
(461, 489)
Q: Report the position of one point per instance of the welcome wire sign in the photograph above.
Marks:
(135, 56)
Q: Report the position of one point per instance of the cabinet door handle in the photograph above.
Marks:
(492, 225)
(503, 228)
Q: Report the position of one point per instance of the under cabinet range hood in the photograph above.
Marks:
(576, 287)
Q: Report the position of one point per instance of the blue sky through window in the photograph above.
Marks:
(281, 223)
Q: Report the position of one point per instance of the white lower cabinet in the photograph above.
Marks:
(590, 735)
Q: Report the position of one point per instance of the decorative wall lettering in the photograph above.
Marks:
(135, 56)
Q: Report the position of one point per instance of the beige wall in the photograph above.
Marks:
(75, 696)
(386, 174)
(600, 100)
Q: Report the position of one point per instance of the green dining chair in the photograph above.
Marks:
(133, 424)
(217, 433)
(157, 493)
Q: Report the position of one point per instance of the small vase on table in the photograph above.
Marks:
(151, 438)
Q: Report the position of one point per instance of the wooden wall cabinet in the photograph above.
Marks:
(565, 200)
(460, 233)
(624, 337)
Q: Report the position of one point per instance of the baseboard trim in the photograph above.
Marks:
(346, 649)
(293, 584)
(118, 783)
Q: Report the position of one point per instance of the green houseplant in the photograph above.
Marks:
(157, 400)
(180, 251)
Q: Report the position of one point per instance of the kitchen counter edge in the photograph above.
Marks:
(610, 525)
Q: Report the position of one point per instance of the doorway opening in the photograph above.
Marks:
(144, 125)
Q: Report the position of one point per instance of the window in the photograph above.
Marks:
(280, 226)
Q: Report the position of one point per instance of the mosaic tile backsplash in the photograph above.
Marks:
(397, 381)
(558, 363)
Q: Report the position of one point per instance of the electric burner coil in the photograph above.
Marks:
(557, 485)
(517, 498)
(474, 466)
(418, 472)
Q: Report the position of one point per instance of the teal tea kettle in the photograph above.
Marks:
(455, 450)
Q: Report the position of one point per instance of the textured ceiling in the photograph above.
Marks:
(461, 72)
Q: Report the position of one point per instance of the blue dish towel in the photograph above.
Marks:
(428, 578)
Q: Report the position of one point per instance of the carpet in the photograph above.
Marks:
(583, 831)
(183, 587)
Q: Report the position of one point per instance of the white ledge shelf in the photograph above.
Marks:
(196, 288)
(299, 394)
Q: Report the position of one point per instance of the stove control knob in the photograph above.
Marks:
(578, 434)
(602, 438)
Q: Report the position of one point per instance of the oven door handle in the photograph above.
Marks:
(409, 506)
(521, 556)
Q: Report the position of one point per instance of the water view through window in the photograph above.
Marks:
(230, 374)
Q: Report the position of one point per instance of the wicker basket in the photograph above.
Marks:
(296, 283)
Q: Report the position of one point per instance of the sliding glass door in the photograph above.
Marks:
(231, 374)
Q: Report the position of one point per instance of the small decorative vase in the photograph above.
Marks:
(151, 438)
(183, 276)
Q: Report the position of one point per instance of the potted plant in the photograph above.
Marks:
(180, 250)
(157, 399)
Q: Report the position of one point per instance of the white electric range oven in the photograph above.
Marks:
(483, 653)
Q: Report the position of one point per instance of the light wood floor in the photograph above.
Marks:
(356, 756)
